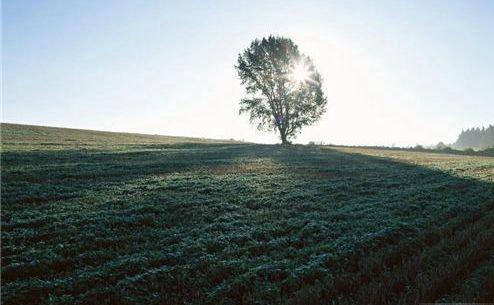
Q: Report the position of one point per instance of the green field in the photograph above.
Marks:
(111, 218)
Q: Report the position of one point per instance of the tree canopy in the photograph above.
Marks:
(283, 88)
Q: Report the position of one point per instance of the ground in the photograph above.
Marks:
(104, 218)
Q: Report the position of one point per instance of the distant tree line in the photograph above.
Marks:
(475, 138)
(473, 141)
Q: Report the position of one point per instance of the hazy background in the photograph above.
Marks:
(402, 72)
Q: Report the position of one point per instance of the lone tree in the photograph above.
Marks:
(283, 87)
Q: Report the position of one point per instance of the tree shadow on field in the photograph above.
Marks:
(415, 233)
(243, 224)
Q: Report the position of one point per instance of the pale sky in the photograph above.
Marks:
(402, 72)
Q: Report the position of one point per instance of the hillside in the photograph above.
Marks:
(94, 217)
(17, 137)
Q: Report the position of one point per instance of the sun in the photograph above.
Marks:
(300, 73)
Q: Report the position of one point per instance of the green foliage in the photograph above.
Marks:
(284, 89)
(128, 221)
(442, 146)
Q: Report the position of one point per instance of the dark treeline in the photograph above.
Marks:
(475, 138)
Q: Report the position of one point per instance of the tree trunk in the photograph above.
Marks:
(284, 140)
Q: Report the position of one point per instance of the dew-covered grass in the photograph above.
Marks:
(102, 218)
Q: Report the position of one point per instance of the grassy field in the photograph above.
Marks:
(110, 218)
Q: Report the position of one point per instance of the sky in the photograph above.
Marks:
(395, 72)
